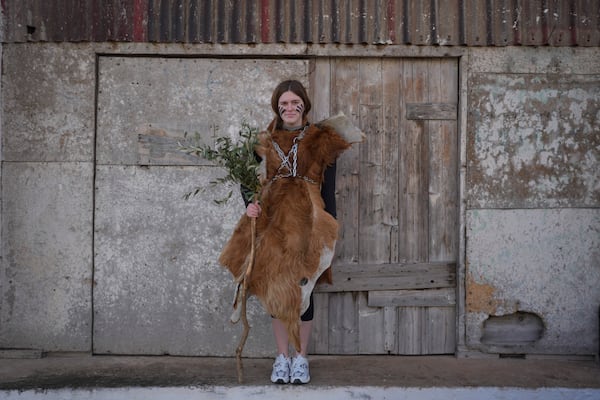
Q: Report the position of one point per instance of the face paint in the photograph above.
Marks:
(299, 109)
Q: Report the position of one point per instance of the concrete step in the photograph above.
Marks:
(332, 377)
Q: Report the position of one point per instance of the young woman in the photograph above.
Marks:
(295, 227)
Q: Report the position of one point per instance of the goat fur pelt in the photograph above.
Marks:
(295, 236)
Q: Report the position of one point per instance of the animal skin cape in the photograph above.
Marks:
(295, 236)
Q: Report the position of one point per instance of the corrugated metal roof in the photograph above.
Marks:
(426, 22)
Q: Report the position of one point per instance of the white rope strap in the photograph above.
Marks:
(286, 164)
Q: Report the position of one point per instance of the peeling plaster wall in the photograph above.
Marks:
(535, 141)
(532, 195)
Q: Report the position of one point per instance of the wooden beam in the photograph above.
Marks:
(361, 277)
(443, 297)
(431, 111)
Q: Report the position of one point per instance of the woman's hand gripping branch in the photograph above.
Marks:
(253, 210)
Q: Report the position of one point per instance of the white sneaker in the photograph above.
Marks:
(300, 373)
(281, 370)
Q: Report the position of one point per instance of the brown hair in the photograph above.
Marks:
(289, 86)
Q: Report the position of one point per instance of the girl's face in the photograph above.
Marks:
(291, 109)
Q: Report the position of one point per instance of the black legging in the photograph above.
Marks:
(308, 314)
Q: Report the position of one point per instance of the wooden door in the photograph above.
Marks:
(397, 202)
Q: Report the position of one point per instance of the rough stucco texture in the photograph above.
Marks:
(46, 274)
(545, 262)
(159, 287)
(533, 141)
(48, 103)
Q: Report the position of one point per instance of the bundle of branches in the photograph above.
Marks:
(236, 157)
(241, 167)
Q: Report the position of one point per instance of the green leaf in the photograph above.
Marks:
(237, 159)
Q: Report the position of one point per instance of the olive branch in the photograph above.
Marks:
(237, 158)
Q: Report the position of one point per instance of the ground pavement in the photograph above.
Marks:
(77, 376)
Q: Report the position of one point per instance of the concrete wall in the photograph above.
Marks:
(2, 285)
(156, 254)
(94, 228)
(91, 166)
(48, 97)
(532, 195)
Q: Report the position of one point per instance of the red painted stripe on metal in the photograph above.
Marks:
(139, 16)
(265, 22)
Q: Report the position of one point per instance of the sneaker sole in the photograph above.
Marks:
(299, 382)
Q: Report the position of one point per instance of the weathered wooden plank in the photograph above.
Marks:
(390, 283)
(370, 324)
(391, 277)
(443, 191)
(345, 98)
(440, 332)
(426, 330)
(431, 111)
(393, 269)
(390, 327)
(443, 165)
(373, 235)
(443, 297)
(409, 330)
(320, 86)
(413, 215)
(343, 324)
(319, 343)
(393, 103)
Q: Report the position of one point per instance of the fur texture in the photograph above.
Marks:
(295, 236)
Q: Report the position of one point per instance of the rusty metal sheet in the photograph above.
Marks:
(455, 22)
